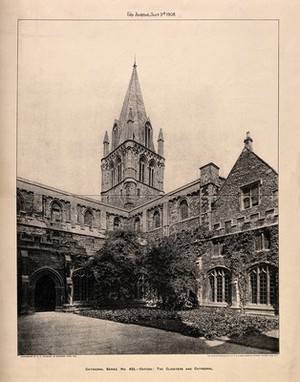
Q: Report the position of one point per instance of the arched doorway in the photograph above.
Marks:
(44, 294)
(46, 288)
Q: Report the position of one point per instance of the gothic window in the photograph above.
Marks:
(262, 280)
(220, 285)
(250, 195)
(20, 203)
(137, 224)
(262, 242)
(56, 211)
(156, 219)
(142, 170)
(151, 173)
(88, 218)
(138, 192)
(83, 285)
(184, 211)
(147, 135)
(112, 174)
(117, 223)
(119, 169)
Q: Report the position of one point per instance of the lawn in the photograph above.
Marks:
(202, 322)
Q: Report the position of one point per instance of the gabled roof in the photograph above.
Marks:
(248, 152)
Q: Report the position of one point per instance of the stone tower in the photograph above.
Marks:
(132, 170)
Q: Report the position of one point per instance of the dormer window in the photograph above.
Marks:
(250, 195)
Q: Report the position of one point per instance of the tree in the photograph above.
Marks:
(173, 273)
(115, 267)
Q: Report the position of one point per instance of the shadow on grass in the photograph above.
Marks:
(173, 322)
(260, 341)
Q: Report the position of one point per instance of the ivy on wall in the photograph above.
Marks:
(240, 255)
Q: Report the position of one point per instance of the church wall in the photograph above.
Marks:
(247, 170)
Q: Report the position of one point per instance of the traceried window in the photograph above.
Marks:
(262, 241)
(142, 170)
(151, 173)
(262, 279)
(83, 286)
(147, 135)
(119, 169)
(220, 285)
(56, 211)
(88, 218)
(250, 195)
(156, 219)
(184, 210)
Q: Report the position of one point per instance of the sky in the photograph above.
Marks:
(205, 83)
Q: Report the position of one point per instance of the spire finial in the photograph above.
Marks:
(134, 64)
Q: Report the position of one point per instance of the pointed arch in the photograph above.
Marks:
(47, 288)
(147, 134)
(262, 284)
(119, 168)
(137, 224)
(151, 169)
(184, 209)
(156, 219)
(219, 285)
(115, 136)
(142, 166)
(56, 211)
(117, 223)
(83, 285)
(112, 173)
(88, 218)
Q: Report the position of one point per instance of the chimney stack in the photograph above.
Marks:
(248, 141)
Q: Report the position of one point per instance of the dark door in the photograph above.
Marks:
(44, 294)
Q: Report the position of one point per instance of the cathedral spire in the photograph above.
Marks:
(134, 107)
